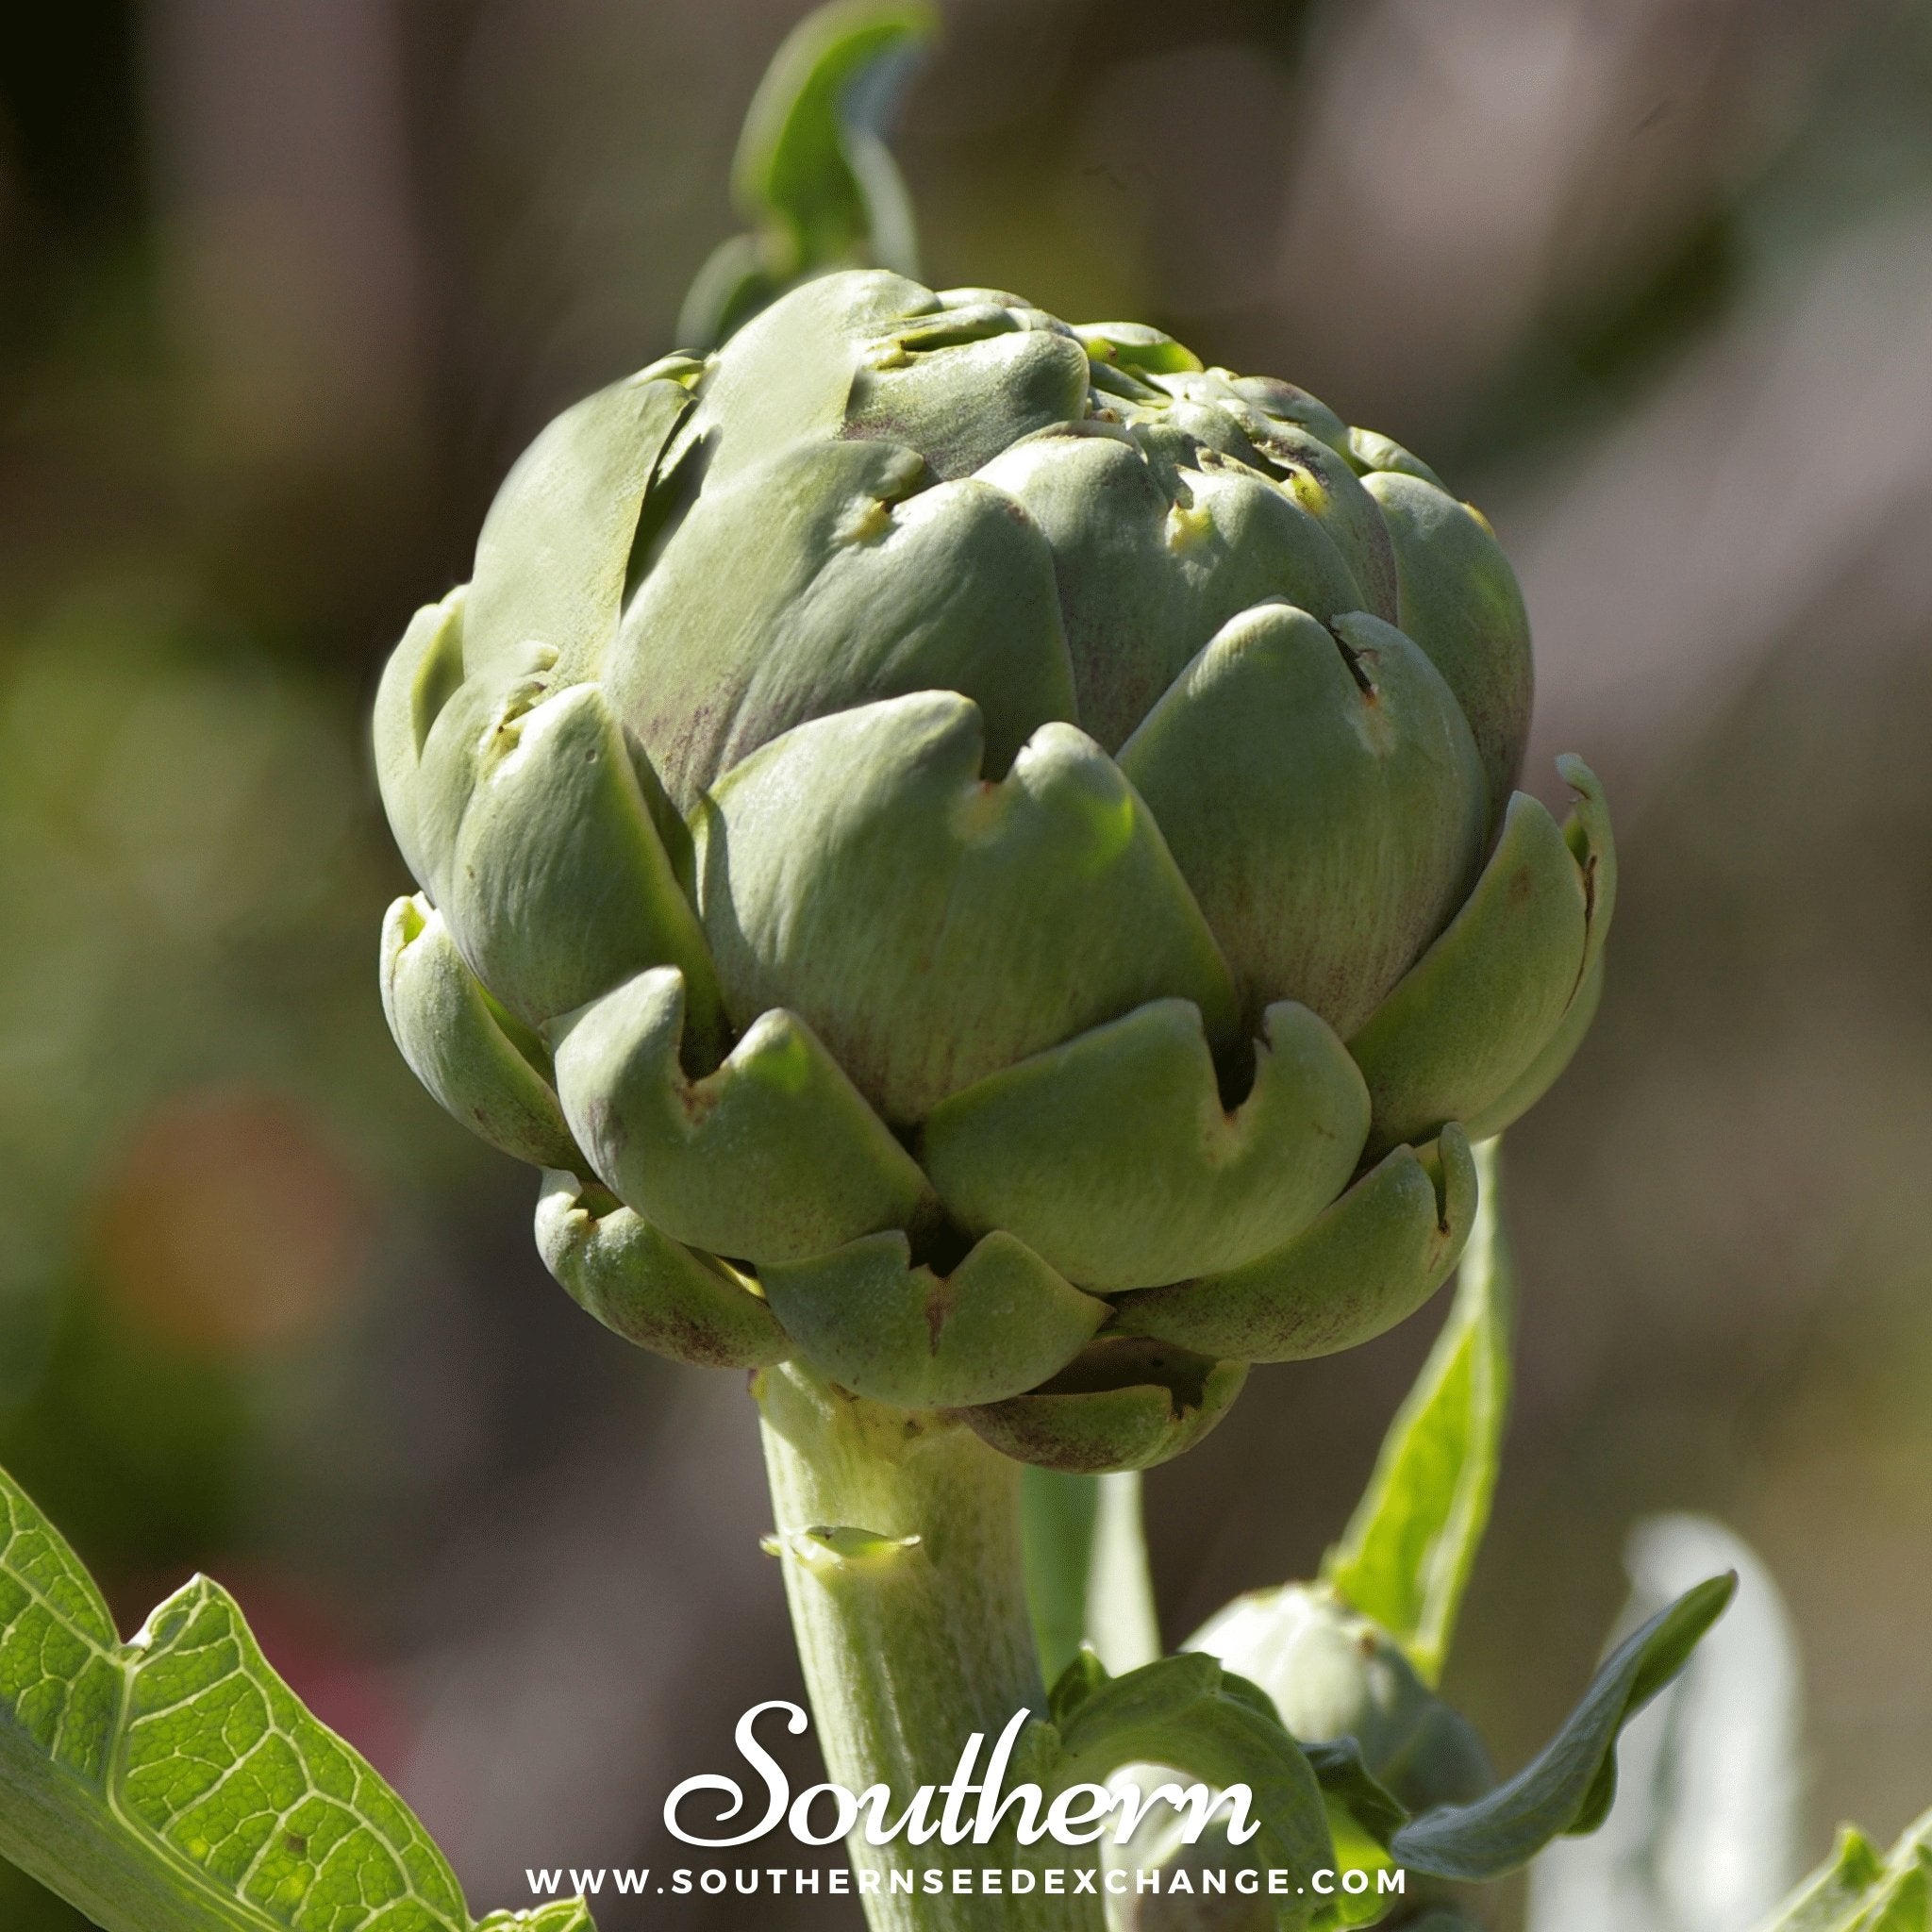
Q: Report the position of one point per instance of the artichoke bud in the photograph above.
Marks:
(491, 1073)
(1007, 834)
(1333, 1675)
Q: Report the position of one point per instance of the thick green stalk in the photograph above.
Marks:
(900, 1538)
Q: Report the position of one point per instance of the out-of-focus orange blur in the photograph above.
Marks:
(282, 291)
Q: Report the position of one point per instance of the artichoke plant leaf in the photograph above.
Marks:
(1834, 1896)
(812, 169)
(1858, 1889)
(1185, 1712)
(174, 1783)
(807, 154)
(1569, 1786)
(1347, 1781)
(1406, 1556)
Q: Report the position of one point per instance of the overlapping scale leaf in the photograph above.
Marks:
(1367, 1262)
(422, 673)
(1000, 1322)
(555, 549)
(1120, 1403)
(958, 400)
(1318, 476)
(774, 1157)
(489, 1072)
(1113, 1156)
(561, 886)
(1457, 598)
(646, 1287)
(786, 375)
(847, 582)
(1321, 793)
(1151, 566)
(930, 926)
(1472, 1017)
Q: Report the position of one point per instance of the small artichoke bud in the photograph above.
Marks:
(1333, 1675)
(1006, 832)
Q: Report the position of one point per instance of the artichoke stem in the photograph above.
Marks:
(900, 1539)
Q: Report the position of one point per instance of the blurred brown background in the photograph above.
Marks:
(284, 285)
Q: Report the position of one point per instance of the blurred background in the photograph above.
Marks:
(283, 289)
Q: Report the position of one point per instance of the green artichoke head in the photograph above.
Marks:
(980, 855)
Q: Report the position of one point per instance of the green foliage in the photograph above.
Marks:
(1569, 1786)
(1406, 1557)
(175, 1783)
(813, 174)
(1857, 1891)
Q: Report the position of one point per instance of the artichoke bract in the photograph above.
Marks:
(979, 854)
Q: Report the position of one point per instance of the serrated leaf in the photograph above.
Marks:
(1087, 1576)
(1833, 1897)
(567, 1915)
(1857, 1891)
(1570, 1785)
(175, 1784)
(1407, 1553)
